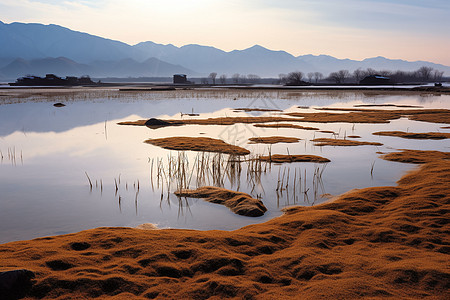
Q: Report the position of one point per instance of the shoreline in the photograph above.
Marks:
(373, 242)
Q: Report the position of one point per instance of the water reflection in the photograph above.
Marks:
(73, 168)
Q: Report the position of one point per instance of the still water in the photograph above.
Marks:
(48, 153)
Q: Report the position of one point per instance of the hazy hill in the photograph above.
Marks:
(31, 41)
(62, 66)
(39, 49)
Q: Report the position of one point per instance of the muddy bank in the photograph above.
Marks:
(239, 203)
(389, 242)
(415, 135)
(197, 144)
(273, 140)
(342, 142)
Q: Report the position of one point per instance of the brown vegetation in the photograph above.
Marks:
(211, 121)
(197, 144)
(273, 140)
(239, 203)
(341, 142)
(413, 135)
(354, 115)
(387, 105)
(281, 158)
(328, 131)
(388, 242)
(248, 109)
(358, 115)
(416, 156)
(284, 125)
(354, 136)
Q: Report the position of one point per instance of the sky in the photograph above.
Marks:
(356, 29)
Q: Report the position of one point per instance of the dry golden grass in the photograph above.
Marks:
(281, 158)
(414, 135)
(214, 121)
(197, 144)
(416, 156)
(238, 202)
(283, 125)
(388, 105)
(353, 116)
(341, 142)
(273, 140)
(380, 242)
(248, 109)
(356, 115)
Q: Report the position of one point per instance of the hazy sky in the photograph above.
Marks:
(355, 29)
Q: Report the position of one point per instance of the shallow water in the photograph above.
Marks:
(47, 151)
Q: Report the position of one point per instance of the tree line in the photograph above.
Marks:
(423, 74)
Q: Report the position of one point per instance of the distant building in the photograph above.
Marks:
(375, 80)
(180, 78)
(52, 80)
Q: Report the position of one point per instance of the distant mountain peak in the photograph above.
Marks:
(77, 52)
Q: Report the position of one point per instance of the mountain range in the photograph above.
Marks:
(39, 49)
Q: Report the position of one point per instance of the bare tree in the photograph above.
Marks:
(438, 75)
(204, 80)
(339, 76)
(425, 73)
(385, 73)
(223, 79)
(253, 78)
(282, 78)
(318, 76)
(370, 72)
(295, 78)
(235, 77)
(213, 76)
(310, 76)
(358, 74)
